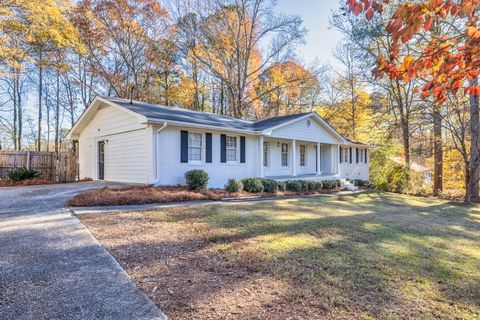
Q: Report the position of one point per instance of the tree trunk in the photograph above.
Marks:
(19, 111)
(468, 197)
(40, 89)
(57, 114)
(196, 98)
(354, 108)
(15, 111)
(166, 87)
(222, 99)
(472, 193)
(438, 150)
(48, 122)
(405, 123)
(406, 150)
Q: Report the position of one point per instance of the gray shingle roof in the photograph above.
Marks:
(354, 142)
(272, 122)
(164, 113)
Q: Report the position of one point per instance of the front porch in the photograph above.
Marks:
(286, 159)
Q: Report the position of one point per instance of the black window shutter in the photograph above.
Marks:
(223, 148)
(242, 149)
(341, 154)
(356, 154)
(351, 158)
(183, 146)
(366, 155)
(208, 147)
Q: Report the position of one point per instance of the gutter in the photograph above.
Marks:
(157, 170)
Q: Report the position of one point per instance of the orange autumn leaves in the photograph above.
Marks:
(370, 7)
(448, 33)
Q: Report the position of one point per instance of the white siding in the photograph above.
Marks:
(172, 171)
(128, 148)
(275, 167)
(326, 158)
(310, 159)
(301, 131)
(354, 170)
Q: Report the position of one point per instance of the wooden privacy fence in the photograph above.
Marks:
(52, 166)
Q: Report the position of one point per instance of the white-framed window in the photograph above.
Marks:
(361, 155)
(265, 154)
(195, 147)
(284, 154)
(346, 153)
(303, 149)
(232, 149)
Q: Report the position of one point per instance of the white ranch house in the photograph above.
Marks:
(138, 142)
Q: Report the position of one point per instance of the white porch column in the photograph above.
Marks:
(294, 157)
(260, 151)
(318, 159)
(337, 160)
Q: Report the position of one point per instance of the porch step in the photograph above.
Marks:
(349, 186)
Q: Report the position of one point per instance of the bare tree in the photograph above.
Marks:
(226, 37)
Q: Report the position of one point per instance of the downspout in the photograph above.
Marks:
(157, 167)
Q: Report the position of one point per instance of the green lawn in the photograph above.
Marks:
(371, 255)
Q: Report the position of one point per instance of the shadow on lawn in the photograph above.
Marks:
(389, 258)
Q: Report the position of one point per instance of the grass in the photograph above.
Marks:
(367, 256)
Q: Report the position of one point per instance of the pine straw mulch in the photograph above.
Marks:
(29, 182)
(148, 194)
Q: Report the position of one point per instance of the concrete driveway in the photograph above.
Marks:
(51, 267)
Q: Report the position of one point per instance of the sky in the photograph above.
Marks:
(321, 40)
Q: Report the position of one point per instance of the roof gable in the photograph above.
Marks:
(310, 127)
(275, 121)
(90, 112)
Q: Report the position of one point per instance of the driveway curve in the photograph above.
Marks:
(51, 267)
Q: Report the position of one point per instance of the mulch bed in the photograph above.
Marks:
(148, 195)
(30, 182)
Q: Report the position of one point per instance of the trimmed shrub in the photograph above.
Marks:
(329, 184)
(318, 185)
(310, 185)
(360, 182)
(304, 185)
(270, 185)
(234, 185)
(338, 183)
(196, 179)
(294, 185)
(282, 187)
(252, 185)
(22, 173)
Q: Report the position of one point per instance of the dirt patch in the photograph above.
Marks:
(148, 194)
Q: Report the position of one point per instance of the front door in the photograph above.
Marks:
(101, 160)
